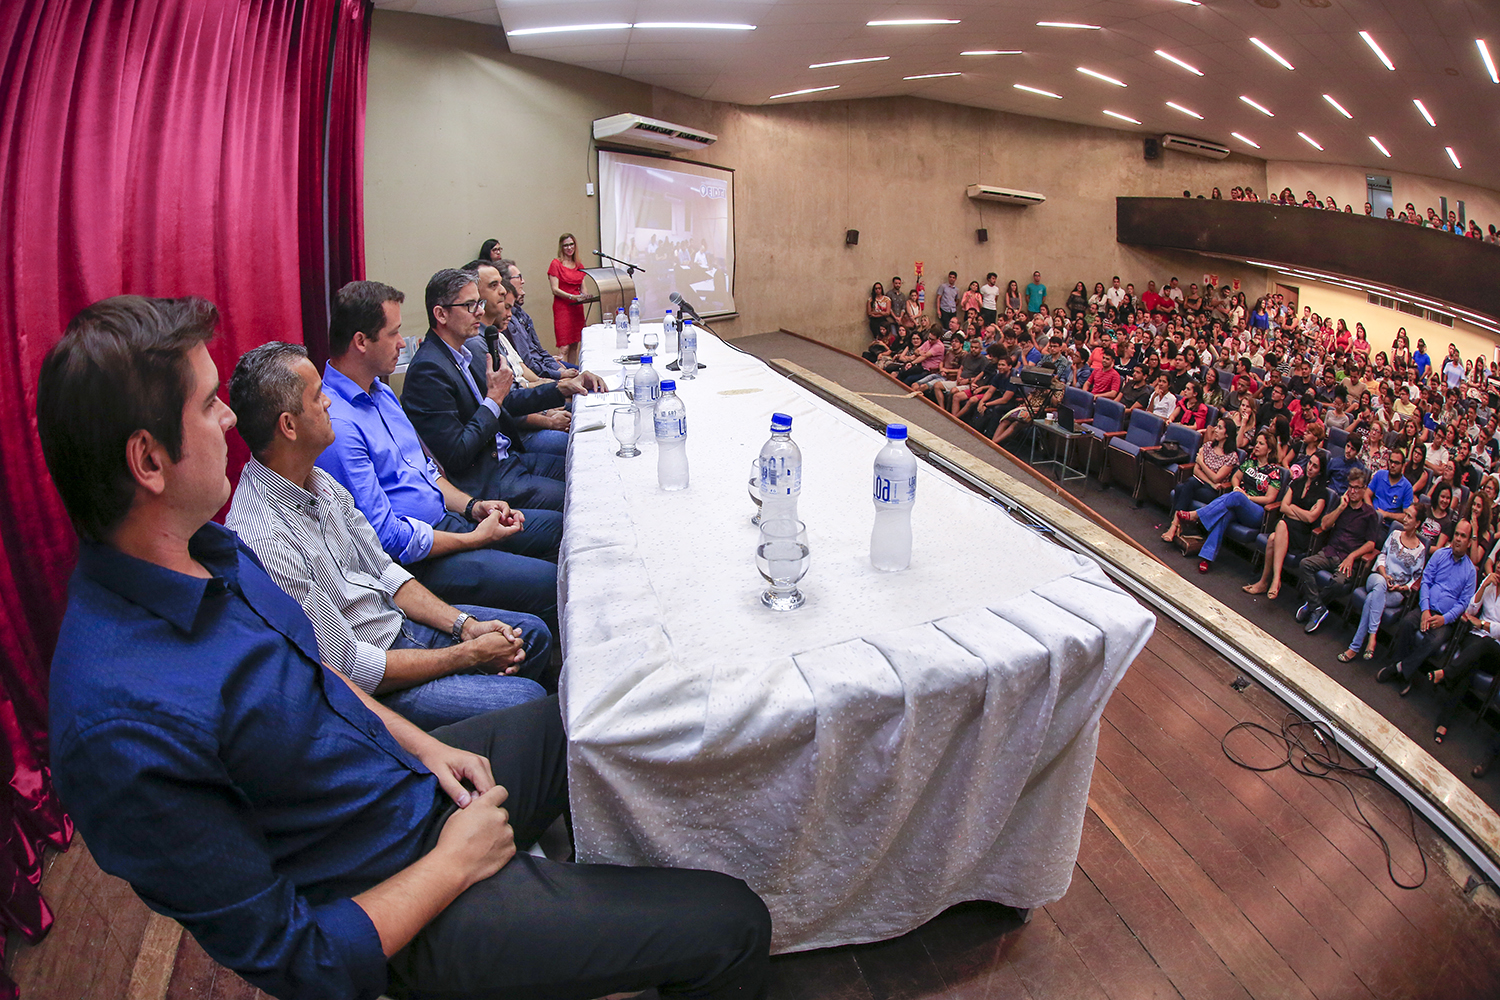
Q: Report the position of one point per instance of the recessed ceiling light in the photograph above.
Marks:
(1311, 141)
(1123, 118)
(1249, 142)
(1489, 64)
(1100, 76)
(992, 52)
(929, 76)
(1035, 90)
(1454, 157)
(909, 21)
(569, 27)
(1380, 145)
(1337, 106)
(799, 93)
(1425, 113)
(1187, 111)
(1258, 107)
(1271, 52)
(1379, 52)
(1192, 3)
(849, 62)
(1066, 24)
(696, 25)
(1173, 59)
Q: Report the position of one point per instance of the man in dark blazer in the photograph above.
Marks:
(463, 421)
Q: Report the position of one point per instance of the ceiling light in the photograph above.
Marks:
(1271, 52)
(1187, 111)
(707, 25)
(1034, 90)
(1425, 113)
(1192, 3)
(1066, 24)
(1123, 118)
(1380, 145)
(992, 52)
(848, 62)
(1249, 142)
(1489, 64)
(1258, 107)
(1337, 106)
(799, 93)
(1310, 141)
(1173, 59)
(905, 22)
(1376, 49)
(929, 76)
(1100, 76)
(567, 27)
(1454, 157)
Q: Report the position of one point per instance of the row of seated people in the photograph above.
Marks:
(318, 735)
(1432, 220)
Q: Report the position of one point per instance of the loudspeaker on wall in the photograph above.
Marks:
(851, 237)
(983, 235)
(1152, 148)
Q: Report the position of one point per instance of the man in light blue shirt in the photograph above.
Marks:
(1447, 588)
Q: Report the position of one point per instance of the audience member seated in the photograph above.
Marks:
(1397, 570)
(521, 332)
(1480, 651)
(1301, 508)
(308, 837)
(467, 549)
(1389, 491)
(1353, 531)
(1212, 469)
(1255, 486)
(432, 663)
(478, 444)
(1447, 589)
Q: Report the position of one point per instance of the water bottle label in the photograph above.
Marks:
(894, 488)
(671, 428)
(777, 480)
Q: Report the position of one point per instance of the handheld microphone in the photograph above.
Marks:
(492, 341)
(684, 306)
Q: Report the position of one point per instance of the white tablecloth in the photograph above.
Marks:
(902, 743)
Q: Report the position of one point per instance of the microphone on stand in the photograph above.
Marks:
(684, 306)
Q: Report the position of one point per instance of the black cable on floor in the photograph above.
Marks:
(1312, 750)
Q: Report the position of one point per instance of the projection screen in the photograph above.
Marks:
(674, 219)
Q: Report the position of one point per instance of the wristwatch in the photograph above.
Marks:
(469, 508)
(457, 631)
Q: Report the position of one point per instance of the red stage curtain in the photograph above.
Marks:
(159, 147)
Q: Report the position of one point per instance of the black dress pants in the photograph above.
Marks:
(1479, 652)
(1412, 647)
(544, 930)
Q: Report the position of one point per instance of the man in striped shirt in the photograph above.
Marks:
(433, 663)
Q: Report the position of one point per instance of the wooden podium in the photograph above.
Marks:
(615, 289)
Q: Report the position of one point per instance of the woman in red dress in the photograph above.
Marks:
(566, 277)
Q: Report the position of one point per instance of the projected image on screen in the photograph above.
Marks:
(677, 221)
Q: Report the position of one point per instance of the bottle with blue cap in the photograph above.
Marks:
(671, 439)
(647, 392)
(895, 493)
(635, 315)
(780, 471)
(687, 354)
(622, 330)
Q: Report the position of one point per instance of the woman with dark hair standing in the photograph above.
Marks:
(878, 310)
(565, 275)
(490, 250)
(1013, 295)
(1078, 300)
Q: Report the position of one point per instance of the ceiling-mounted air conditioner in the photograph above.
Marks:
(1198, 147)
(648, 133)
(1009, 196)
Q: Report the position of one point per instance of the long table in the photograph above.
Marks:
(901, 743)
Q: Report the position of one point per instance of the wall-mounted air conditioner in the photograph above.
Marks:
(1009, 196)
(1198, 147)
(648, 133)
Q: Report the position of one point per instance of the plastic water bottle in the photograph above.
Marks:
(895, 493)
(687, 355)
(622, 329)
(635, 315)
(647, 391)
(780, 471)
(671, 439)
(669, 332)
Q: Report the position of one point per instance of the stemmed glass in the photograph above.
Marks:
(627, 430)
(783, 558)
(755, 490)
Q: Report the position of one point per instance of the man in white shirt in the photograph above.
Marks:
(989, 296)
(1114, 293)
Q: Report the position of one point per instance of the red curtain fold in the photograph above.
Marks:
(159, 147)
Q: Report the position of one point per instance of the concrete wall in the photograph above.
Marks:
(466, 141)
(1347, 184)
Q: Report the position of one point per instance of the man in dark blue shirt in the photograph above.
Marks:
(311, 840)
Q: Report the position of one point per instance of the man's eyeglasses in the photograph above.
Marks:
(475, 306)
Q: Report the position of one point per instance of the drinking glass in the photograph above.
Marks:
(627, 429)
(628, 371)
(755, 490)
(782, 556)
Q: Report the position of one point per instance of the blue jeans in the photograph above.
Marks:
(1191, 489)
(528, 479)
(547, 442)
(443, 701)
(1232, 507)
(519, 574)
(1377, 600)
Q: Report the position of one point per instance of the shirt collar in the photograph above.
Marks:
(337, 384)
(461, 355)
(172, 596)
(279, 491)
